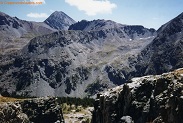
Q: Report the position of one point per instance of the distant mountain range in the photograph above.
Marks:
(89, 57)
(16, 33)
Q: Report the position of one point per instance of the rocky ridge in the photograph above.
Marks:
(154, 98)
(134, 32)
(39, 110)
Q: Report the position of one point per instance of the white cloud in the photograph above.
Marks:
(37, 15)
(43, 1)
(93, 7)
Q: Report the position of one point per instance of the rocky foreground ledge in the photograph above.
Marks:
(152, 99)
(37, 110)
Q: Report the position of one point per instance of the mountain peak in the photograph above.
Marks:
(59, 20)
(58, 13)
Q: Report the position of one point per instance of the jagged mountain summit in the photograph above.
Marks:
(59, 20)
(155, 98)
(74, 63)
(165, 53)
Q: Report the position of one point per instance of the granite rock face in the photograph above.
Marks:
(40, 110)
(155, 98)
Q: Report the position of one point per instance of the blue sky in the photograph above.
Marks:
(149, 13)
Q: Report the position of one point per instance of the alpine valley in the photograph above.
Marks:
(61, 57)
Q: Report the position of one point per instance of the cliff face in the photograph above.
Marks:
(41, 110)
(154, 99)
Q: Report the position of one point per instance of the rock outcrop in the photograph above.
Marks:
(39, 110)
(154, 98)
(12, 113)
